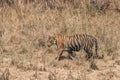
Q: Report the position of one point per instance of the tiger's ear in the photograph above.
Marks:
(48, 36)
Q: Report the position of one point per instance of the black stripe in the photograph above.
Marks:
(77, 45)
(72, 44)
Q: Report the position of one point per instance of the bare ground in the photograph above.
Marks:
(51, 69)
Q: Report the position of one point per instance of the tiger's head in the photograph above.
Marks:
(51, 41)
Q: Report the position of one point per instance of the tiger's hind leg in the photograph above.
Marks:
(89, 53)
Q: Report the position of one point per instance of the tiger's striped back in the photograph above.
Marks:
(75, 41)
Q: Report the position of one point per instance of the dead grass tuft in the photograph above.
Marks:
(5, 75)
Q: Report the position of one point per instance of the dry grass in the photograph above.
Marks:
(26, 24)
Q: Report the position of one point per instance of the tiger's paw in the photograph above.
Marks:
(70, 57)
(58, 59)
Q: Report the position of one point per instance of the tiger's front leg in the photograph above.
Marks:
(70, 55)
(59, 55)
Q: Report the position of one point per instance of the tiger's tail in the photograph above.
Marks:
(96, 50)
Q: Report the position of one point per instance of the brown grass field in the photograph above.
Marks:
(26, 24)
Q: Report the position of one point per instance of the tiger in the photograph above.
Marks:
(74, 43)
